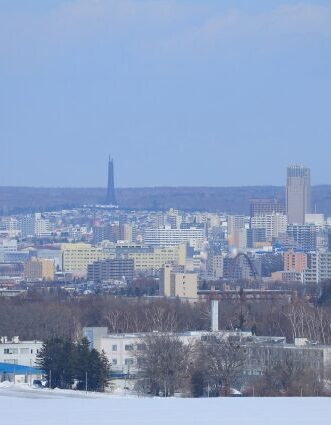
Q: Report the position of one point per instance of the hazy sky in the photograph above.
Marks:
(180, 92)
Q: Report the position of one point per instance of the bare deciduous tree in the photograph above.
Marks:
(223, 362)
(163, 362)
(290, 376)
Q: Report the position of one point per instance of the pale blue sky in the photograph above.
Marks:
(185, 92)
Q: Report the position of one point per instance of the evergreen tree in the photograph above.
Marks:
(82, 363)
(65, 362)
(56, 359)
(106, 371)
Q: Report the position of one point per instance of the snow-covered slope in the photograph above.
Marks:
(20, 405)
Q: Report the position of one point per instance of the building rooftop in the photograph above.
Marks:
(19, 369)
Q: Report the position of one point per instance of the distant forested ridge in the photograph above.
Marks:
(233, 200)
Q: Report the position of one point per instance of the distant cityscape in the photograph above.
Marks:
(280, 251)
(165, 212)
(277, 242)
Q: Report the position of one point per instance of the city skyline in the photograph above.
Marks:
(165, 210)
(182, 93)
(111, 187)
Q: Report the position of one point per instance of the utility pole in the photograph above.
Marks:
(50, 380)
(86, 382)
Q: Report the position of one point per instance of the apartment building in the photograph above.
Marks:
(288, 276)
(175, 283)
(77, 256)
(304, 235)
(295, 261)
(266, 206)
(34, 225)
(256, 238)
(9, 227)
(167, 236)
(237, 231)
(111, 269)
(39, 269)
(215, 264)
(156, 259)
(319, 267)
(274, 224)
(14, 351)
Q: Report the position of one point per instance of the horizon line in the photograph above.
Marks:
(153, 187)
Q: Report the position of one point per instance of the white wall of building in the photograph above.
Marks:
(19, 352)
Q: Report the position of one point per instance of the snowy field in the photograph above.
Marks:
(20, 405)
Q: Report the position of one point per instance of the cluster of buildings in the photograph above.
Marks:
(18, 359)
(279, 241)
(261, 353)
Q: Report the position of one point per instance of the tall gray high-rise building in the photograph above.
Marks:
(111, 198)
(298, 202)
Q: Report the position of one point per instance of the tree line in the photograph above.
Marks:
(36, 316)
(217, 366)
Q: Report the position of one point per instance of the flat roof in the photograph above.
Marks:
(19, 369)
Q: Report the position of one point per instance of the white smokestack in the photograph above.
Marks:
(214, 315)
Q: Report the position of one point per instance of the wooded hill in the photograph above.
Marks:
(233, 200)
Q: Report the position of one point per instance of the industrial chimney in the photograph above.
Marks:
(214, 315)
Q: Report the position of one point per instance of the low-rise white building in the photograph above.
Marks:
(261, 352)
(18, 352)
(121, 349)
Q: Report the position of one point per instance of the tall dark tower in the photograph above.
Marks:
(111, 199)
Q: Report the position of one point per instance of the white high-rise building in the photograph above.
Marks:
(274, 224)
(42, 226)
(34, 225)
(10, 226)
(319, 267)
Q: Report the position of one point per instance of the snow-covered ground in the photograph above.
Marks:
(21, 405)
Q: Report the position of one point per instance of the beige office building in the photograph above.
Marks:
(175, 283)
(39, 269)
(77, 256)
(159, 257)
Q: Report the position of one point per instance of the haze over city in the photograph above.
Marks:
(165, 212)
(181, 93)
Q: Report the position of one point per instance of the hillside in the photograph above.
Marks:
(230, 199)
